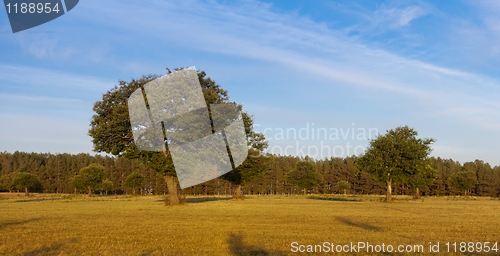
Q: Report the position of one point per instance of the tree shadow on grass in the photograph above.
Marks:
(195, 200)
(35, 200)
(54, 249)
(359, 225)
(238, 247)
(206, 199)
(342, 199)
(46, 250)
(12, 223)
(148, 252)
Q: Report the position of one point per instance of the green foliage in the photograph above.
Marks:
(396, 155)
(92, 176)
(134, 181)
(423, 176)
(56, 171)
(25, 180)
(107, 186)
(252, 167)
(111, 130)
(343, 185)
(77, 183)
(304, 175)
(464, 180)
(5, 182)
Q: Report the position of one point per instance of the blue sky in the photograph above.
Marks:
(337, 66)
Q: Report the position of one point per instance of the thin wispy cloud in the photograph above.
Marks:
(16, 102)
(393, 17)
(51, 79)
(299, 43)
(43, 46)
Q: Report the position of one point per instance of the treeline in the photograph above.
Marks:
(55, 172)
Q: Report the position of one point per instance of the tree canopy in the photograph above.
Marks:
(25, 180)
(91, 177)
(107, 186)
(5, 182)
(111, 130)
(343, 185)
(134, 181)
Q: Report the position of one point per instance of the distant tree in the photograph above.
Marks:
(107, 186)
(77, 184)
(25, 180)
(395, 156)
(343, 185)
(6, 183)
(92, 176)
(304, 176)
(134, 181)
(463, 180)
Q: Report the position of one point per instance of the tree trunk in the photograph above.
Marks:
(238, 192)
(417, 193)
(90, 191)
(75, 190)
(172, 189)
(305, 191)
(389, 191)
(465, 193)
(26, 191)
(345, 192)
(133, 191)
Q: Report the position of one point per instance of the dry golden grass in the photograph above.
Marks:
(260, 225)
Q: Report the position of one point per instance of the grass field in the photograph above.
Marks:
(260, 225)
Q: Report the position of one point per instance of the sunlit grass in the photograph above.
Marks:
(260, 225)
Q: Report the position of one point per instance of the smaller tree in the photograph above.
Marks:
(343, 185)
(304, 176)
(422, 177)
(77, 184)
(107, 186)
(91, 176)
(463, 180)
(134, 181)
(6, 183)
(25, 180)
(395, 156)
(254, 166)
